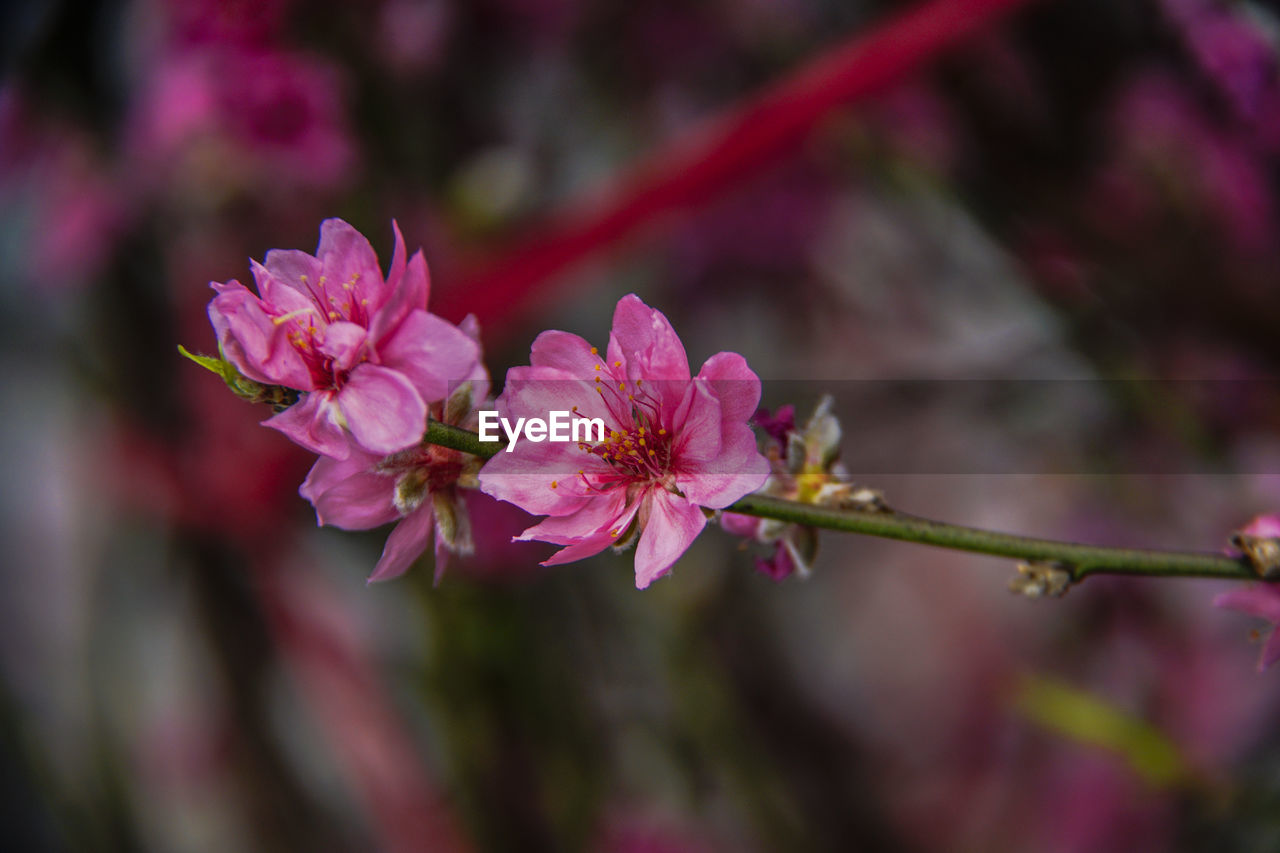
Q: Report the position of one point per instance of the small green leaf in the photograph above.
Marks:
(220, 366)
(1081, 716)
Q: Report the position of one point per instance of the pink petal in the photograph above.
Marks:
(1270, 651)
(1263, 526)
(283, 298)
(673, 525)
(524, 478)
(734, 384)
(587, 546)
(397, 261)
(257, 346)
(563, 351)
(405, 544)
(442, 559)
(605, 513)
(408, 295)
(737, 470)
(290, 268)
(310, 423)
(740, 525)
(1261, 600)
(381, 409)
(696, 424)
(781, 565)
(431, 353)
(346, 494)
(346, 256)
(344, 343)
(537, 391)
(651, 348)
(479, 376)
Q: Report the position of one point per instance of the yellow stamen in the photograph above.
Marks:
(554, 484)
(284, 318)
(595, 350)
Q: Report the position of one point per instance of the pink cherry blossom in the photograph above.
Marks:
(415, 487)
(1263, 601)
(364, 348)
(420, 486)
(674, 443)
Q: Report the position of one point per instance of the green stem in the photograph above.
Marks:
(1080, 560)
(458, 438)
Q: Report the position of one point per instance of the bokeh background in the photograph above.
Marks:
(1004, 235)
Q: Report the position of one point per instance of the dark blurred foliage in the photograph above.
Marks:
(1079, 191)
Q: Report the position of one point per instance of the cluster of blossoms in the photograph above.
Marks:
(367, 365)
(357, 368)
(804, 466)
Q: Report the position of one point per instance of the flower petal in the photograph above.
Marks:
(737, 470)
(673, 525)
(251, 340)
(524, 478)
(347, 494)
(696, 424)
(311, 423)
(344, 343)
(294, 269)
(408, 295)
(734, 384)
(431, 353)
(651, 348)
(405, 544)
(1270, 651)
(396, 270)
(346, 257)
(1261, 600)
(602, 513)
(563, 351)
(381, 409)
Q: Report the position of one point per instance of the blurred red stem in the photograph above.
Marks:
(710, 158)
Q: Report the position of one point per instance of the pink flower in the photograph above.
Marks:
(227, 118)
(1263, 601)
(415, 487)
(364, 348)
(673, 443)
(1262, 527)
(420, 486)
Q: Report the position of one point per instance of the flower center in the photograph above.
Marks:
(329, 304)
(638, 446)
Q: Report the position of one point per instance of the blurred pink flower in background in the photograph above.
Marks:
(1167, 152)
(365, 348)
(58, 194)
(228, 117)
(1237, 53)
(239, 21)
(1260, 600)
(673, 444)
